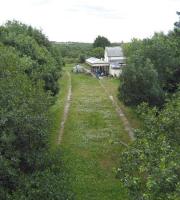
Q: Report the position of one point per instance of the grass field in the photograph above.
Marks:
(90, 142)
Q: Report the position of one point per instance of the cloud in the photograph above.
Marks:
(39, 2)
(96, 10)
(83, 20)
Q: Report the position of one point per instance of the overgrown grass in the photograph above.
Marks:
(57, 110)
(112, 86)
(90, 142)
(86, 65)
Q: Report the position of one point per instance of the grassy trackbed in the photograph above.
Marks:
(90, 142)
(112, 86)
(57, 110)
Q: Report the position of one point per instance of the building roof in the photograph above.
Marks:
(114, 51)
(94, 61)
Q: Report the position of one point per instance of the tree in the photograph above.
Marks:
(139, 83)
(98, 52)
(23, 126)
(82, 58)
(101, 41)
(72, 51)
(29, 42)
(163, 52)
(29, 69)
(149, 168)
(177, 24)
(50, 182)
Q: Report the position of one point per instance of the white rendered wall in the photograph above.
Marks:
(115, 72)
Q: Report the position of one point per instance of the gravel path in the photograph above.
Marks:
(66, 109)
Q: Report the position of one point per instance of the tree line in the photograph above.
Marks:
(74, 52)
(149, 168)
(153, 71)
(29, 71)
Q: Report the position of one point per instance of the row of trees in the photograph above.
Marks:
(153, 69)
(73, 52)
(43, 62)
(29, 71)
(150, 166)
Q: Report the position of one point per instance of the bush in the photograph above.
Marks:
(82, 58)
(102, 42)
(29, 73)
(149, 168)
(50, 183)
(45, 59)
(140, 84)
(98, 52)
(163, 56)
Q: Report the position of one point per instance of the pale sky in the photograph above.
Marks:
(84, 20)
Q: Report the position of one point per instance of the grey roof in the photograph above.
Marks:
(93, 60)
(114, 51)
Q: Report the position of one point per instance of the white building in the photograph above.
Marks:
(114, 56)
(98, 66)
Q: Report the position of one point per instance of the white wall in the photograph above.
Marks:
(115, 72)
(106, 59)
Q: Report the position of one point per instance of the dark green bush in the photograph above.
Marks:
(139, 81)
(149, 168)
(51, 182)
(29, 73)
(29, 42)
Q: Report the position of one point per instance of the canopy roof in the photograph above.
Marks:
(95, 61)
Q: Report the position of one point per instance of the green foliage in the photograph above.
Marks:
(140, 83)
(177, 24)
(149, 168)
(78, 52)
(29, 71)
(51, 182)
(102, 42)
(98, 52)
(163, 54)
(72, 51)
(23, 124)
(82, 58)
(45, 59)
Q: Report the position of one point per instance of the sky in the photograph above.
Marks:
(84, 20)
